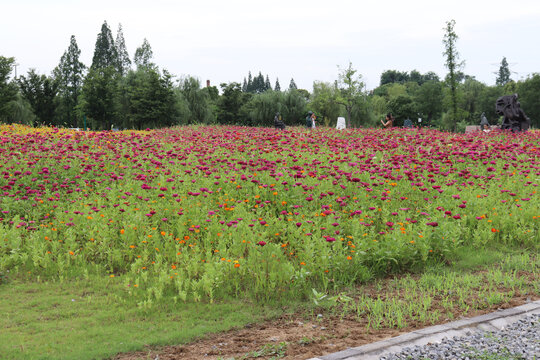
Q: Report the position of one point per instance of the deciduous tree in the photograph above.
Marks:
(453, 65)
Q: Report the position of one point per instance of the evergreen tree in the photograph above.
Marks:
(503, 76)
(69, 76)
(244, 85)
(40, 92)
(292, 85)
(250, 83)
(105, 53)
(260, 88)
(124, 63)
(144, 55)
(267, 85)
(277, 87)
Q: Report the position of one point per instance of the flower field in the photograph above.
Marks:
(201, 213)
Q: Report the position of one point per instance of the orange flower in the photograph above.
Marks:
(349, 258)
(122, 231)
(494, 230)
(236, 265)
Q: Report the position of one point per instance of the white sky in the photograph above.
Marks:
(221, 40)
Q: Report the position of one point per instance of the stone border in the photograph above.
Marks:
(434, 334)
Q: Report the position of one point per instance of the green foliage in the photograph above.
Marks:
(69, 75)
(198, 101)
(8, 89)
(528, 91)
(124, 63)
(323, 101)
(503, 76)
(143, 55)
(100, 101)
(151, 99)
(395, 76)
(429, 99)
(231, 101)
(40, 92)
(351, 92)
(277, 87)
(20, 111)
(452, 57)
(402, 107)
(292, 85)
(105, 52)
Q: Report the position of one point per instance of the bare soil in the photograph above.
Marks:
(301, 335)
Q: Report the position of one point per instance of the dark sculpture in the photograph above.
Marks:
(514, 117)
(278, 123)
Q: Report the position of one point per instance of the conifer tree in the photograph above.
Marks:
(69, 75)
(124, 63)
(143, 55)
(292, 85)
(277, 87)
(249, 83)
(244, 85)
(503, 76)
(267, 85)
(105, 53)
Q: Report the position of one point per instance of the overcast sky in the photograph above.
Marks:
(221, 40)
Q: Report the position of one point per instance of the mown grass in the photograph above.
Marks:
(92, 319)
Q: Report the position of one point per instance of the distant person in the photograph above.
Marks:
(309, 123)
(484, 124)
(313, 121)
(278, 122)
(407, 123)
(389, 121)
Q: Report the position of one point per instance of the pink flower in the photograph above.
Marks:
(261, 243)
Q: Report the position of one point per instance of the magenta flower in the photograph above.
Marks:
(261, 243)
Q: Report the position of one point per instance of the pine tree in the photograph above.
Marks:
(69, 75)
(105, 53)
(143, 55)
(292, 85)
(124, 63)
(260, 83)
(250, 83)
(503, 76)
(277, 87)
(267, 85)
(244, 85)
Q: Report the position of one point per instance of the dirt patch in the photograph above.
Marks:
(297, 336)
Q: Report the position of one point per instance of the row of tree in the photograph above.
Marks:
(114, 91)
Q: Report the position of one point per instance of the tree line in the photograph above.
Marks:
(134, 93)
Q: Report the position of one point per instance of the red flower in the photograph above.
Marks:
(261, 243)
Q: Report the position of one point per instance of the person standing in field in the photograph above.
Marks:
(309, 123)
(389, 121)
(313, 118)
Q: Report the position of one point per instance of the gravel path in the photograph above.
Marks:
(520, 340)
